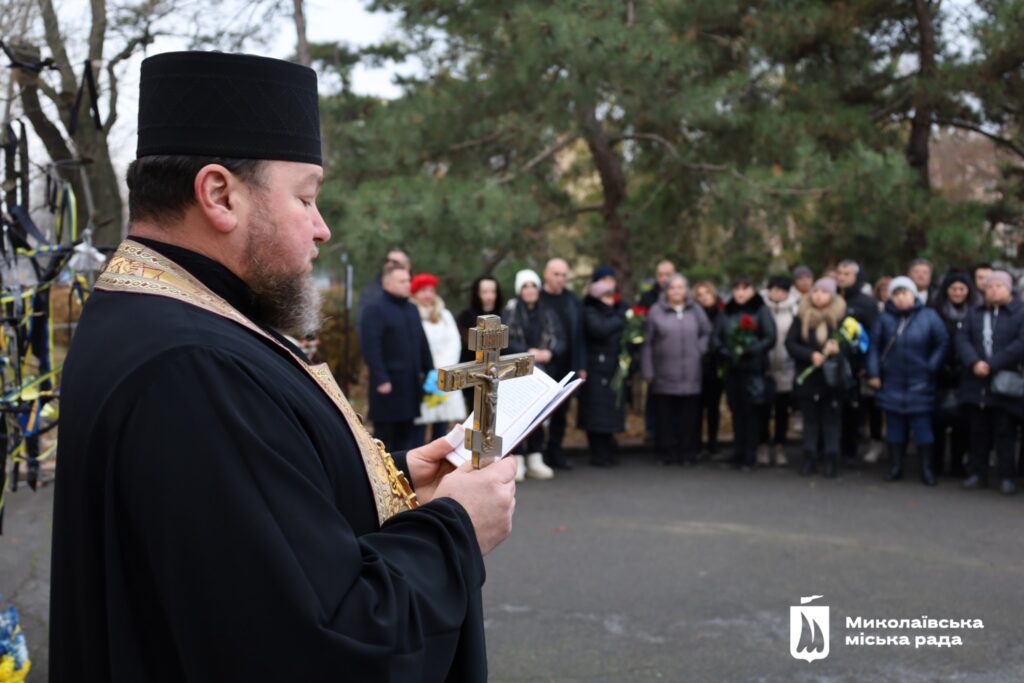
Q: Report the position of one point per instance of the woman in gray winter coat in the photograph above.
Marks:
(677, 337)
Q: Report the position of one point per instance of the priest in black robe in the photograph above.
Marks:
(220, 513)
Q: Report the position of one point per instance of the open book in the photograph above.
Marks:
(523, 404)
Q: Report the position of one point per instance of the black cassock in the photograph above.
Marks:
(213, 520)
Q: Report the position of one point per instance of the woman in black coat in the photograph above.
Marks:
(532, 328)
(747, 386)
(602, 413)
(953, 304)
(991, 341)
(484, 299)
(810, 342)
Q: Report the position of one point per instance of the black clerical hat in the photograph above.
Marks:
(227, 105)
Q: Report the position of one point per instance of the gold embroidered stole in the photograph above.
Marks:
(137, 269)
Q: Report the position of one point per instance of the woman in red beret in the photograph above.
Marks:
(438, 409)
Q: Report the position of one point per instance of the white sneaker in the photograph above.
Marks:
(520, 468)
(536, 469)
(874, 452)
(763, 455)
(779, 455)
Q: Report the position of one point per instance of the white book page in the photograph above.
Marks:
(521, 405)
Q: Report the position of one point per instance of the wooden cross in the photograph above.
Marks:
(488, 338)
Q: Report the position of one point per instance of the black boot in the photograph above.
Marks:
(897, 452)
(828, 469)
(808, 465)
(925, 452)
(975, 481)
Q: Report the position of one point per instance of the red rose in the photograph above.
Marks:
(617, 298)
(640, 310)
(721, 305)
(747, 323)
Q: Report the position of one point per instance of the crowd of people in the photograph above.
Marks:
(859, 371)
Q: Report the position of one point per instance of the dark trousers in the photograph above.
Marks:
(650, 421)
(534, 442)
(556, 434)
(425, 433)
(780, 408)
(852, 420)
(602, 447)
(990, 427)
(958, 425)
(711, 408)
(822, 420)
(901, 428)
(396, 436)
(746, 424)
(677, 430)
(875, 417)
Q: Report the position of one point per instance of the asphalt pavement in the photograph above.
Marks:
(652, 573)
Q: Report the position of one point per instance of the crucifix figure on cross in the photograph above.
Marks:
(484, 374)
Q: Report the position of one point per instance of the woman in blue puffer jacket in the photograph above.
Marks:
(908, 346)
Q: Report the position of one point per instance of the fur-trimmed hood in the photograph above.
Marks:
(822, 320)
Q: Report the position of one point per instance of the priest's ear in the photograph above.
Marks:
(222, 197)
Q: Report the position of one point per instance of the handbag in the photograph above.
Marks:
(760, 389)
(1008, 384)
(838, 374)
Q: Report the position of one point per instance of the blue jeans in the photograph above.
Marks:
(897, 427)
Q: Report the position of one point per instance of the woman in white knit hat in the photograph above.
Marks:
(532, 328)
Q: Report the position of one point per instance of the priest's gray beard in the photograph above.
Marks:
(288, 302)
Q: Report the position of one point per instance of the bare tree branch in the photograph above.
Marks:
(593, 208)
(999, 140)
(98, 31)
(54, 41)
(550, 151)
(476, 142)
(546, 153)
(302, 43)
(127, 51)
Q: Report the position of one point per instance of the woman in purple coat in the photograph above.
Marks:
(677, 337)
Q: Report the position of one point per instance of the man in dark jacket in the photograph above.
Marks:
(992, 341)
(568, 311)
(862, 308)
(374, 290)
(747, 388)
(396, 351)
(663, 272)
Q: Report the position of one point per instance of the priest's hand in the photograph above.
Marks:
(427, 465)
(488, 495)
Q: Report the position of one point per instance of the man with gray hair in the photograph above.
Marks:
(569, 313)
(920, 272)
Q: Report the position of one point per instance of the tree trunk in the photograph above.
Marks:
(613, 186)
(92, 150)
(302, 44)
(917, 151)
